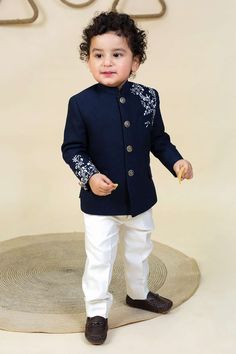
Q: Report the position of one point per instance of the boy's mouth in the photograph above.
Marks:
(108, 73)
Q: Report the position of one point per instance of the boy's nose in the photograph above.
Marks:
(107, 61)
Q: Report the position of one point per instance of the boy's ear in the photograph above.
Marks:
(135, 64)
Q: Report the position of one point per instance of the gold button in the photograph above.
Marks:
(122, 100)
(129, 148)
(127, 124)
(131, 173)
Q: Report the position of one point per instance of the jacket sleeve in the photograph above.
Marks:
(74, 147)
(161, 145)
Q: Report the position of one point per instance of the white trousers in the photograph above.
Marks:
(101, 241)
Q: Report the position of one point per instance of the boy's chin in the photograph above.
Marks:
(112, 84)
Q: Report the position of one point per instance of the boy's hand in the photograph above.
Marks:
(183, 169)
(101, 185)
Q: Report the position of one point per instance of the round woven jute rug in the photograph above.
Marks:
(40, 283)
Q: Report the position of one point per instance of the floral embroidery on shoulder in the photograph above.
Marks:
(148, 100)
(83, 169)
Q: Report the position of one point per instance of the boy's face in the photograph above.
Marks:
(111, 60)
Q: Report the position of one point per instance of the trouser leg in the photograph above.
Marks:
(138, 246)
(101, 239)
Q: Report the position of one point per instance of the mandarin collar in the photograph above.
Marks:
(115, 90)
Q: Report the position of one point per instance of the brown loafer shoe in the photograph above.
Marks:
(96, 329)
(153, 302)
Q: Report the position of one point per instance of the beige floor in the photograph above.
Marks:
(204, 324)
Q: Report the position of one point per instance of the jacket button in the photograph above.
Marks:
(122, 100)
(127, 124)
(129, 148)
(130, 173)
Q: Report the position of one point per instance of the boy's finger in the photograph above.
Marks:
(106, 180)
(180, 174)
(106, 189)
(109, 187)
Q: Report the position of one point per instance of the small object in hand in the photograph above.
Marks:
(115, 185)
(180, 174)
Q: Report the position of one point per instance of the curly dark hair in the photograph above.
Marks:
(120, 23)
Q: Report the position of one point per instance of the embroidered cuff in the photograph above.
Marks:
(83, 169)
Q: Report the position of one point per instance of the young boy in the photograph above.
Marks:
(111, 129)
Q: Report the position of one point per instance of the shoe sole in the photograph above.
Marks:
(95, 341)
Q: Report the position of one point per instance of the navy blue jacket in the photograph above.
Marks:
(113, 131)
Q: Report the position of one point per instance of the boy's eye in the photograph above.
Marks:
(117, 55)
(97, 55)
